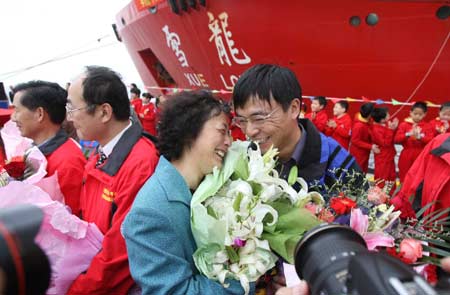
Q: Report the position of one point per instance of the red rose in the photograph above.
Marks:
(326, 215)
(431, 273)
(15, 167)
(411, 249)
(342, 205)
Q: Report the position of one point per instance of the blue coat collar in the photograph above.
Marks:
(172, 182)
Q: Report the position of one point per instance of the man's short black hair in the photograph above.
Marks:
(48, 95)
(343, 104)
(322, 100)
(420, 105)
(379, 114)
(182, 120)
(366, 109)
(266, 81)
(103, 85)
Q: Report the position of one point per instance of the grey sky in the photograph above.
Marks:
(37, 31)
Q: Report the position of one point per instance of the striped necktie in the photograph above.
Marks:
(101, 158)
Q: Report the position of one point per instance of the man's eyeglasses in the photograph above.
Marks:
(70, 110)
(257, 120)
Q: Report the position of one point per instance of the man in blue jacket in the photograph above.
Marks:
(267, 101)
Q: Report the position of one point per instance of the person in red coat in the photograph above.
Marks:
(440, 124)
(413, 134)
(135, 99)
(383, 132)
(361, 143)
(428, 179)
(147, 114)
(99, 108)
(318, 113)
(39, 111)
(341, 125)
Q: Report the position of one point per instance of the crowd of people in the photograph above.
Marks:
(151, 154)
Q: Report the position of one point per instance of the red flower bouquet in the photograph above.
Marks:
(16, 167)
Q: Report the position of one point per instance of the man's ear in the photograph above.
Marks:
(106, 112)
(295, 108)
(40, 114)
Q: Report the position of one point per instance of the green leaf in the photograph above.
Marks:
(232, 254)
(432, 260)
(293, 175)
(237, 202)
(436, 251)
(437, 214)
(211, 212)
(439, 243)
(424, 208)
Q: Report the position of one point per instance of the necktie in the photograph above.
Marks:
(101, 158)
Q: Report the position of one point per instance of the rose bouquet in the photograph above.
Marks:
(69, 242)
(244, 215)
(366, 209)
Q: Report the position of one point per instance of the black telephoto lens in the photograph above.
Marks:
(322, 257)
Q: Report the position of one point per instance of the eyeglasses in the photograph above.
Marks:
(70, 110)
(256, 120)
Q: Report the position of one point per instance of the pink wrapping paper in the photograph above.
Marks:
(69, 242)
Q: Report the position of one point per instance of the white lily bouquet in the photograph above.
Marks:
(244, 213)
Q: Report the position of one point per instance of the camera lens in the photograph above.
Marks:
(323, 254)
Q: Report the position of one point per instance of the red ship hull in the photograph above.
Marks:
(403, 54)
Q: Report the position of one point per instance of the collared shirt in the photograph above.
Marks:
(108, 148)
(285, 167)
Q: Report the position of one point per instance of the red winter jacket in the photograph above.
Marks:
(437, 126)
(136, 103)
(384, 161)
(108, 193)
(342, 131)
(361, 142)
(319, 119)
(432, 169)
(147, 116)
(411, 145)
(64, 155)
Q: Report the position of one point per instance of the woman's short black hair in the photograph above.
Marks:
(182, 119)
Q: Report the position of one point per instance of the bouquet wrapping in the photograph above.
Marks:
(69, 242)
(244, 215)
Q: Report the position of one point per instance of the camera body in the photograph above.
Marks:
(334, 259)
(24, 267)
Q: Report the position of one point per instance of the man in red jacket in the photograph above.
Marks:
(413, 134)
(341, 125)
(431, 172)
(98, 106)
(318, 113)
(361, 143)
(39, 110)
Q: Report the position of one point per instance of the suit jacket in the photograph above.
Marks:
(159, 240)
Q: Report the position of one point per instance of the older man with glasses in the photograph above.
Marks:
(99, 108)
(39, 113)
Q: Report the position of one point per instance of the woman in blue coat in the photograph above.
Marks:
(193, 139)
